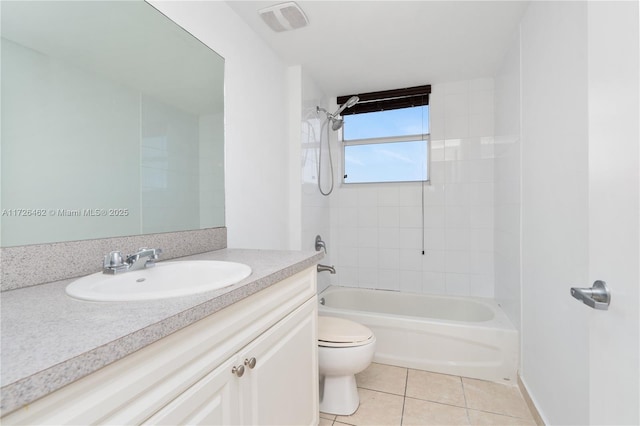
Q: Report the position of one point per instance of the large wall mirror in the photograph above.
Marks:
(112, 123)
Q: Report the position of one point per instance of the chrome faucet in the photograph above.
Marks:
(322, 268)
(144, 258)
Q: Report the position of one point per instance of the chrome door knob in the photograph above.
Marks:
(251, 363)
(597, 297)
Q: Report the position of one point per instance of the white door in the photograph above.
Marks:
(580, 215)
(614, 215)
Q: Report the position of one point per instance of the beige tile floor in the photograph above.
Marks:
(400, 396)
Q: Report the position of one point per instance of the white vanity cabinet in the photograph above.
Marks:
(254, 362)
(275, 391)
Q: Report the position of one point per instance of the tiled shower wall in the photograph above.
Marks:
(377, 230)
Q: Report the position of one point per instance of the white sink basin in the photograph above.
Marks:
(165, 280)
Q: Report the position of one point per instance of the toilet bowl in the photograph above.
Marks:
(345, 348)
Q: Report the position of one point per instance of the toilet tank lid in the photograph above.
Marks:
(340, 330)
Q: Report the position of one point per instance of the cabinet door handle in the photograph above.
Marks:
(250, 362)
(238, 371)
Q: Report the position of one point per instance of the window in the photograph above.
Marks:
(386, 136)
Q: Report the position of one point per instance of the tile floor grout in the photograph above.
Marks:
(464, 396)
(404, 400)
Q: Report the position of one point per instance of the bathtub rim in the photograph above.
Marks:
(500, 319)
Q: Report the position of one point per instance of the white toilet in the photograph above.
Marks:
(345, 348)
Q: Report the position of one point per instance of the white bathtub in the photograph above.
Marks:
(470, 337)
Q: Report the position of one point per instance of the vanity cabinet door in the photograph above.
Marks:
(211, 401)
(282, 387)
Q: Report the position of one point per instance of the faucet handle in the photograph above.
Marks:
(320, 244)
(113, 259)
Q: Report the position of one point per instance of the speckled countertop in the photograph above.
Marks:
(50, 340)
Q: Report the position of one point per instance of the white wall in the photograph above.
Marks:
(555, 360)
(256, 124)
(315, 206)
(506, 184)
(376, 229)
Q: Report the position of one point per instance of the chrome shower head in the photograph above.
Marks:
(350, 102)
(338, 122)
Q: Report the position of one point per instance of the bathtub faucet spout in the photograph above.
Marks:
(322, 268)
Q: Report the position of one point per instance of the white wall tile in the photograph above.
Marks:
(410, 195)
(481, 216)
(367, 217)
(348, 257)
(410, 238)
(388, 195)
(410, 259)
(411, 281)
(434, 216)
(481, 262)
(481, 239)
(389, 258)
(457, 262)
(388, 279)
(456, 104)
(368, 237)
(348, 217)
(437, 149)
(458, 239)
(348, 197)
(368, 278)
(436, 174)
(434, 239)
(347, 236)
(367, 258)
(389, 238)
(458, 216)
(410, 217)
(388, 216)
(481, 285)
(481, 102)
(457, 284)
(456, 126)
(434, 283)
(434, 194)
(347, 276)
(481, 124)
(365, 196)
(434, 261)
(457, 194)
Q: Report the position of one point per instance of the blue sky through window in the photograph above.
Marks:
(382, 161)
(386, 162)
(380, 124)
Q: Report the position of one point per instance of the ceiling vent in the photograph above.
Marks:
(284, 17)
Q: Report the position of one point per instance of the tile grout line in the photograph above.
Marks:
(404, 396)
(466, 405)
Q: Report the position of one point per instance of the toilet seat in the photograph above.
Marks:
(342, 333)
